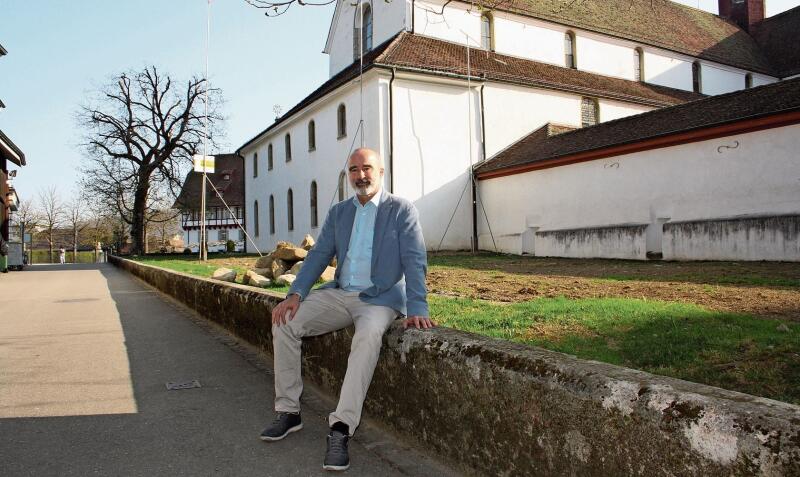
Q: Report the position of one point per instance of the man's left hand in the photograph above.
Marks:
(419, 322)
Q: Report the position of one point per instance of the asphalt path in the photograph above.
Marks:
(86, 352)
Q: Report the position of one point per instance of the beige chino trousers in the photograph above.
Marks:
(321, 312)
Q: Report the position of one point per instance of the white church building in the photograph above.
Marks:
(603, 128)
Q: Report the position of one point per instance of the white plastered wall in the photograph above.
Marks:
(432, 156)
(388, 19)
(696, 181)
(322, 165)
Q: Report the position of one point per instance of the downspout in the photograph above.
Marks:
(412, 16)
(391, 134)
(474, 181)
(244, 199)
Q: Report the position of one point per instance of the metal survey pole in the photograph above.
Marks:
(203, 240)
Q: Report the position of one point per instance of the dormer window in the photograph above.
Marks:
(569, 50)
(362, 30)
(487, 32)
(748, 81)
(226, 177)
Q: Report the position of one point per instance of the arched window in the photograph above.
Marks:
(312, 136)
(314, 216)
(362, 37)
(638, 64)
(487, 32)
(290, 209)
(367, 32)
(748, 81)
(697, 78)
(269, 157)
(341, 186)
(271, 214)
(255, 218)
(288, 144)
(569, 50)
(255, 164)
(341, 121)
(589, 112)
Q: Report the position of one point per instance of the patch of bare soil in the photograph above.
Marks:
(513, 279)
(500, 278)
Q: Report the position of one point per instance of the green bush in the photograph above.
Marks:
(230, 246)
(43, 256)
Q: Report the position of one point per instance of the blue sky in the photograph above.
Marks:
(58, 51)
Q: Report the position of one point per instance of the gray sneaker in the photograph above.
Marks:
(337, 458)
(284, 423)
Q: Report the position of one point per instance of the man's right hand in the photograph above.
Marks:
(285, 311)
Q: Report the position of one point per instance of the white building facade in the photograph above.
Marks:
(433, 115)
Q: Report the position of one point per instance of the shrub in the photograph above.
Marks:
(187, 251)
(230, 246)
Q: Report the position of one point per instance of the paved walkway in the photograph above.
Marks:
(85, 355)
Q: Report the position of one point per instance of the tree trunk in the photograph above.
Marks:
(50, 243)
(138, 226)
(75, 245)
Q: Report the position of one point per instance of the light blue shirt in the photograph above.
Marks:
(357, 267)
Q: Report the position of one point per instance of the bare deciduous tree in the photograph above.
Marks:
(75, 211)
(51, 215)
(25, 219)
(142, 132)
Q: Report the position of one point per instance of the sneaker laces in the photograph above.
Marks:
(337, 441)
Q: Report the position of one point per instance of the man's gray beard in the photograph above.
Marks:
(366, 190)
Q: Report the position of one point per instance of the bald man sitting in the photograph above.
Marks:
(377, 241)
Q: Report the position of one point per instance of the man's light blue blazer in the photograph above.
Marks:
(399, 261)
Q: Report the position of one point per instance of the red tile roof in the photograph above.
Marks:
(438, 56)
(539, 147)
(779, 38)
(232, 189)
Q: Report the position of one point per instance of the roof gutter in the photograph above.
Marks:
(10, 150)
(391, 133)
(703, 133)
(535, 84)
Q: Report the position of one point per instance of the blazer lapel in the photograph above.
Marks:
(346, 220)
(381, 220)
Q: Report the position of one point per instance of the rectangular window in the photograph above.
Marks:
(223, 234)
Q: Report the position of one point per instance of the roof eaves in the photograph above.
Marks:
(331, 29)
(334, 83)
(11, 151)
(531, 83)
(598, 148)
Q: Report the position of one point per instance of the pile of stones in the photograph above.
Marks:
(279, 267)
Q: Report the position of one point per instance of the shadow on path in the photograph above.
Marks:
(211, 430)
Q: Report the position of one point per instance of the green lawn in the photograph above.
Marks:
(732, 351)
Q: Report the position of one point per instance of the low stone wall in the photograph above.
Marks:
(498, 408)
(746, 238)
(615, 241)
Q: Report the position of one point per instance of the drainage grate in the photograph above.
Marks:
(176, 386)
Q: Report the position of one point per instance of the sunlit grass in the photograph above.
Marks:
(733, 351)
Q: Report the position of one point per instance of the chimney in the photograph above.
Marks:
(744, 13)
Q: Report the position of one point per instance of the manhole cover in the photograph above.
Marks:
(178, 385)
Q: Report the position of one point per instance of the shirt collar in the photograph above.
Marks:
(375, 200)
